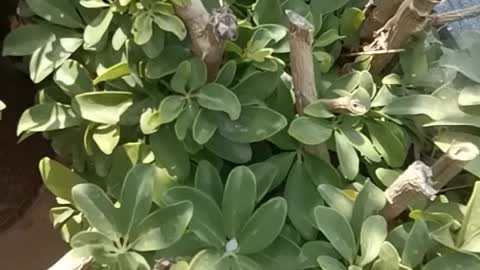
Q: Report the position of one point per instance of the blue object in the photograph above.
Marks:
(456, 28)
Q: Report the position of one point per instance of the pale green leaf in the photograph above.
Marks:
(107, 138)
(337, 199)
(370, 201)
(102, 107)
(59, 179)
(373, 234)
(46, 117)
(329, 263)
(98, 28)
(73, 78)
(114, 72)
(348, 158)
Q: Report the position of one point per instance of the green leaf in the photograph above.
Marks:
(329, 263)
(167, 62)
(282, 254)
(186, 120)
(414, 105)
(73, 78)
(58, 12)
(321, 171)
(207, 220)
(337, 199)
(255, 124)
(46, 117)
(232, 151)
(198, 78)
(337, 230)
(60, 215)
(207, 179)
(98, 28)
(93, 243)
(282, 162)
(257, 86)
(374, 232)
(350, 23)
(142, 28)
(155, 45)
(107, 138)
(170, 153)
(53, 54)
(170, 108)
(170, 23)
(302, 199)
(59, 179)
(244, 263)
(328, 6)
(238, 199)
(132, 260)
(387, 176)
(26, 39)
(348, 158)
(180, 79)
(361, 143)
(97, 208)
(209, 260)
(370, 201)
(310, 131)
(325, 60)
(217, 97)
(318, 109)
(268, 12)
(471, 223)
(263, 227)
(327, 38)
(203, 127)
(453, 261)
(414, 60)
(417, 245)
(387, 143)
(265, 174)
(102, 107)
(226, 74)
(164, 227)
(93, 3)
(136, 196)
(114, 72)
(314, 249)
(388, 258)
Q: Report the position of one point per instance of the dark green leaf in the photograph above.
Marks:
(302, 199)
(337, 230)
(231, 151)
(164, 227)
(328, 6)
(350, 23)
(265, 173)
(207, 220)
(263, 227)
(166, 63)
(318, 109)
(282, 162)
(142, 28)
(170, 108)
(170, 23)
(226, 75)
(452, 261)
(310, 131)
(282, 254)
(209, 260)
(217, 97)
(387, 143)
(170, 153)
(255, 124)
(361, 143)
(238, 199)
(97, 208)
(321, 171)
(203, 127)
(26, 39)
(207, 179)
(58, 12)
(268, 12)
(314, 249)
(417, 245)
(348, 158)
(327, 38)
(257, 86)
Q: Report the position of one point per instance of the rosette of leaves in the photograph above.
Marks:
(120, 235)
(234, 227)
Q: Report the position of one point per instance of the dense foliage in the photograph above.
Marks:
(160, 165)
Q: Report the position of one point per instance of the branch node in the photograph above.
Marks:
(345, 104)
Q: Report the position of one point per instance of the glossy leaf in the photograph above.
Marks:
(310, 131)
(59, 179)
(46, 117)
(337, 230)
(97, 29)
(207, 220)
(238, 199)
(209, 260)
(97, 208)
(58, 12)
(255, 124)
(73, 78)
(263, 227)
(164, 227)
(166, 63)
(218, 98)
(114, 72)
(26, 39)
(102, 107)
(207, 179)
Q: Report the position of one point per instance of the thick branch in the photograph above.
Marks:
(455, 15)
(452, 163)
(420, 181)
(300, 39)
(413, 183)
(208, 33)
(71, 262)
(378, 12)
(411, 17)
(345, 104)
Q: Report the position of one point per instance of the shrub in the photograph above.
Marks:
(262, 144)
